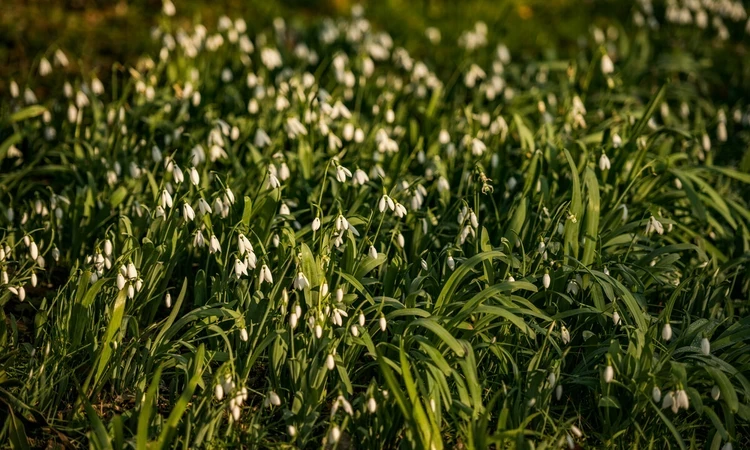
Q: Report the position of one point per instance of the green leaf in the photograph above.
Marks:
(27, 113)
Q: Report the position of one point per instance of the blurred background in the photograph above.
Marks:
(97, 33)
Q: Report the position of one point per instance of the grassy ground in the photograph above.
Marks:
(540, 242)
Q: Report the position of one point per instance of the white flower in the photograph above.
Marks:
(477, 147)
(656, 394)
(177, 174)
(565, 334)
(705, 346)
(300, 281)
(399, 210)
(360, 177)
(265, 275)
(341, 223)
(243, 334)
(132, 273)
(295, 128)
(546, 280)
(214, 246)
(451, 262)
(681, 399)
(120, 281)
(330, 362)
(229, 196)
(274, 399)
(33, 250)
(382, 322)
(273, 181)
(654, 226)
(385, 200)
(373, 253)
(45, 68)
(219, 392)
(666, 332)
(616, 318)
(315, 224)
(203, 207)
(609, 374)
(240, 268)
(715, 392)
(166, 199)
(187, 212)
(334, 434)
(342, 173)
(198, 240)
(194, 176)
(604, 163)
(261, 138)
(607, 65)
(616, 141)
(372, 405)
(168, 8)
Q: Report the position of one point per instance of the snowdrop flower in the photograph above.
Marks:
(616, 318)
(265, 275)
(273, 399)
(546, 280)
(654, 226)
(284, 172)
(284, 210)
(295, 128)
(240, 268)
(334, 434)
(166, 199)
(624, 212)
(33, 250)
(342, 173)
(187, 212)
(477, 147)
(385, 200)
(607, 65)
(273, 181)
(360, 177)
(315, 224)
(399, 210)
(681, 399)
(715, 392)
(45, 68)
(705, 347)
(203, 207)
(177, 174)
(341, 223)
(330, 362)
(666, 332)
(565, 334)
(373, 253)
(194, 176)
(261, 138)
(609, 374)
(616, 141)
(214, 246)
(656, 394)
(451, 262)
(604, 163)
(198, 240)
(400, 240)
(382, 323)
(300, 281)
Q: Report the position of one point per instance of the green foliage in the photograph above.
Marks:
(313, 237)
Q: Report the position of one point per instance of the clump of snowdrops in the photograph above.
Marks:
(311, 237)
